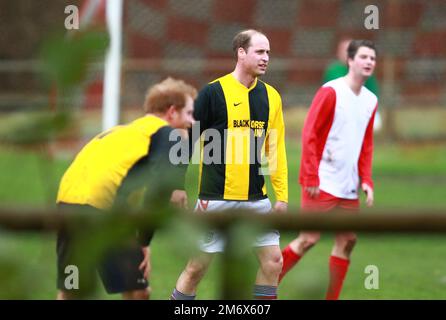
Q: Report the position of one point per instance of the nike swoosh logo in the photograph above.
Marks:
(236, 104)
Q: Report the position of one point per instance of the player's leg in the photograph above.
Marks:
(268, 254)
(120, 272)
(345, 241)
(270, 260)
(143, 294)
(64, 295)
(74, 279)
(296, 250)
(344, 244)
(211, 243)
(304, 242)
(339, 263)
(187, 283)
(270, 265)
(341, 252)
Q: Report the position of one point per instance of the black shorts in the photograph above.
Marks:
(117, 268)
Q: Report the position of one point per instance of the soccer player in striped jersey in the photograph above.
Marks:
(110, 172)
(245, 115)
(337, 147)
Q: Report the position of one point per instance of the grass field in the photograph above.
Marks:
(410, 266)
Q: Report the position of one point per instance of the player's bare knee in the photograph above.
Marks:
(195, 271)
(346, 242)
(307, 241)
(273, 265)
(63, 295)
(272, 268)
(351, 242)
(142, 294)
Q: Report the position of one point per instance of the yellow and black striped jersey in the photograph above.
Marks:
(249, 122)
(120, 161)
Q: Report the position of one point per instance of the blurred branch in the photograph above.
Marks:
(66, 60)
(43, 220)
(30, 128)
(97, 233)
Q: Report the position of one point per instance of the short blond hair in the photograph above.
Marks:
(169, 92)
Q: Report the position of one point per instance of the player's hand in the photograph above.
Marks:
(146, 266)
(368, 190)
(313, 192)
(179, 199)
(280, 206)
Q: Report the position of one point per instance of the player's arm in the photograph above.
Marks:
(201, 117)
(165, 175)
(146, 265)
(365, 161)
(314, 136)
(165, 180)
(158, 175)
(277, 159)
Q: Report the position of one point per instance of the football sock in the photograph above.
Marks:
(338, 269)
(290, 258)
(177, 295)
(265, 292)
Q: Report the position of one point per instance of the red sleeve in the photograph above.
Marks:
(365, 158)
(315, 132)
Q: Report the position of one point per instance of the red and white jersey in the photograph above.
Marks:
(337, 140)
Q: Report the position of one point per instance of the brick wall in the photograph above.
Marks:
(303, 36)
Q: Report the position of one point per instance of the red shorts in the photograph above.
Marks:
(326, 202)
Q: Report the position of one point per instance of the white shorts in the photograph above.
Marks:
(214, 241)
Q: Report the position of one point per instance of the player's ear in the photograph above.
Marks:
(349, 60)
(241, 53)
(170, 112)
